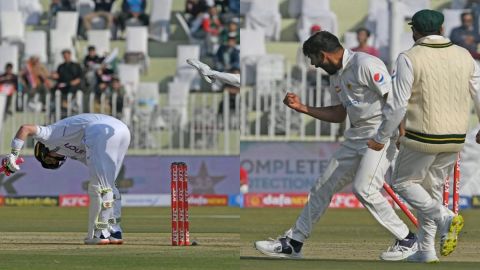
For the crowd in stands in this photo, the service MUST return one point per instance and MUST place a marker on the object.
(214, 23)
(219, 30)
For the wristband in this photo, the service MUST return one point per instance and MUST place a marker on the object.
(17, 145)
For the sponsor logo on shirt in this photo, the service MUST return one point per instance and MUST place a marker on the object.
(74, 148)
(349, 86)
(338, 89)
(378, 78)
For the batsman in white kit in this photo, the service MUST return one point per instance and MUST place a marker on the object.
(100, 142)
(359, 84)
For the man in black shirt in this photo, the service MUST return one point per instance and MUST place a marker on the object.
(91, 63)
(68, 75)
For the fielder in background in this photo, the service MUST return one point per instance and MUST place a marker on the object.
(211, 75)
(100, 142)
(359, 86)
(432, 87)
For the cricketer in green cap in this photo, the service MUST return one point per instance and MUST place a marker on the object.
(427, 21)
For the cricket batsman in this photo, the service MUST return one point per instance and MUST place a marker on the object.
(100, 142)
(211, 76)
(359, 84)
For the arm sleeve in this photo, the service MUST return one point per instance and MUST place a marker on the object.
(43, 133)
(375, 76)
(229, 78)
(475, 87)
(396, 106)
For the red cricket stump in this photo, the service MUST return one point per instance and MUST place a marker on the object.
(174, 203)
(456, 184)
(18, 162)
(446, 191)
(402, 206)
(179, 207)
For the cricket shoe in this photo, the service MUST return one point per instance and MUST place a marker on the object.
(423, 257)
(97, 241)
(204, 69)
(449, 229)
(400, 250)
(116, 238)
(279, 248)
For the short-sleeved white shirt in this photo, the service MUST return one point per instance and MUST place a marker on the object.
(360, 87)
(66, 137)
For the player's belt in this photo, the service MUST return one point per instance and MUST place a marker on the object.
(435, 139)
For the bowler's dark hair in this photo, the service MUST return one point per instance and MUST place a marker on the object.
(321, 41)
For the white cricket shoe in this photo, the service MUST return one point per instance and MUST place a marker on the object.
(279, 248)
(400, 250)
(204, 69)
(423, 257)
(96, 241)
(449, 229)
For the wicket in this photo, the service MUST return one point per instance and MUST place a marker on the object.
(456, 187)
(179, 206)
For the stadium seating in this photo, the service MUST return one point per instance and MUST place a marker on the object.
(100, 39)
(160, 20)
(266, 16)
(12, 28)
(36, 45)
(9, 54)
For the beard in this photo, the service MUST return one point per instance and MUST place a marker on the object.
(329, 68)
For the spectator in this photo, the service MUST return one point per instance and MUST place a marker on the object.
(231, 30)
(104, 78)
(92, 60)
(228, 56)
(465, 35)
(91, 63)
(56, 6)
(210, 29)
(8, 85)
(68, 76)
(102, 9)
(362, 37)
(193, 8)
(36, 82)
(132, 9)
(234, 6)
(117, 88)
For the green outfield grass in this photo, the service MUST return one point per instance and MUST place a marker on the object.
(345, 239)
(52, 238)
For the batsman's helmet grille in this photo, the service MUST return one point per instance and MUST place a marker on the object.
(41, 151)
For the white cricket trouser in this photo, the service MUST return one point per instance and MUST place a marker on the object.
(419, 178)
(367, 169)
(106, 143)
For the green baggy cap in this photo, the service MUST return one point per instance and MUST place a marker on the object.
(427, 21)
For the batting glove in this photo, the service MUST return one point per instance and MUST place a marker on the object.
(10, 164)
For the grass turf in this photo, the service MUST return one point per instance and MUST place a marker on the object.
(52, 238)
(345, 239)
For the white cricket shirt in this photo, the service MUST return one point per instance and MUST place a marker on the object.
(66, 137)
(360, 87)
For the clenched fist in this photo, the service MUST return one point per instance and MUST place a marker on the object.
(293, 101)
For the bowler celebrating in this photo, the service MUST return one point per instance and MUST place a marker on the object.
(359, 85)
(100, 142)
